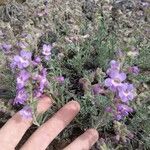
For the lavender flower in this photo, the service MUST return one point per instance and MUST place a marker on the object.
(134, 70)
(44, 72)
(123, 91)
(26, 112)
(22, 79)
(37, 60)
(43, 83)
(115, 80)
(21, 97)
(114, 65)
(42, 80)
(37, 93)
(21, 61)
(6, 47)
(127, 92)
(47, 51)
(26, 55)
(122, 111)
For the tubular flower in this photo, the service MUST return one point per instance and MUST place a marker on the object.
(127, 92)
(47, 51)
(22, 79)
(115, 80)
(21, 61)
(122, 111)
(134, 70)
(21, 97)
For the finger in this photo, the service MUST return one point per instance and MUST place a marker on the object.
(12, 132)
(85, 141)
(48, 131)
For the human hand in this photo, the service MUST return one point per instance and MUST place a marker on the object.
(12, 132)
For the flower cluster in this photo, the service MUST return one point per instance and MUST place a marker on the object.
(31, 76)
(22, 60)
(123, 91)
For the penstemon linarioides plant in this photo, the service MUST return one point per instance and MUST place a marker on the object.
(106, 102)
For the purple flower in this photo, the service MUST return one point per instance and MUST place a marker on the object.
(114, 65)
(43, 83)
(122, 90)
(21, 61)
(122, 111)
(37, 93)
(42, 80)
(44, 72)
(46, 50)
(127, 92)
(115, 80)
(37, 60)
(134, 70)
(26, 112)
(60, 79)
(6, 47)
(97, 89)
(22, 79)
(21, 97)
(26, 55)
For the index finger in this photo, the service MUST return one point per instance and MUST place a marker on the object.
(49, 130)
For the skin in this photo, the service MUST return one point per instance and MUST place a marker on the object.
(12, 132)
